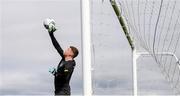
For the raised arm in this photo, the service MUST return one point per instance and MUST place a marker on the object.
(56, 44)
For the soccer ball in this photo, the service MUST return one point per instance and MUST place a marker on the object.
(49, 24)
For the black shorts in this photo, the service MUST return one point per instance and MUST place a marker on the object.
(63, 92)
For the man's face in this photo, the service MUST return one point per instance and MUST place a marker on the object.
(68, 52)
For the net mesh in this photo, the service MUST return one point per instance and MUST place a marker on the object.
(154, 26)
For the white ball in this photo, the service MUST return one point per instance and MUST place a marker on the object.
(47, 22)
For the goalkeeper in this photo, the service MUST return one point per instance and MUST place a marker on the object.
(65, 67)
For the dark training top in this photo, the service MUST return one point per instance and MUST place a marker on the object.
(64, 70)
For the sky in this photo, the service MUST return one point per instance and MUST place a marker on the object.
(27, 52)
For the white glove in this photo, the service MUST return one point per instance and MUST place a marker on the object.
(52, 70)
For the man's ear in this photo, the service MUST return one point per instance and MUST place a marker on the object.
(72, 55)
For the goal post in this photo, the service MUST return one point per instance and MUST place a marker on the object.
(130, 41)
(86, 47)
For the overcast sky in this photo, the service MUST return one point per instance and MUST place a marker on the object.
(27, 52)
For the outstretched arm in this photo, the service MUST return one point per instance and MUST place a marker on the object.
(56, 44)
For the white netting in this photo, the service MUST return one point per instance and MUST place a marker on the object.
(155, 27)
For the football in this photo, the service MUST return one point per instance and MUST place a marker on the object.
(48, 23)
